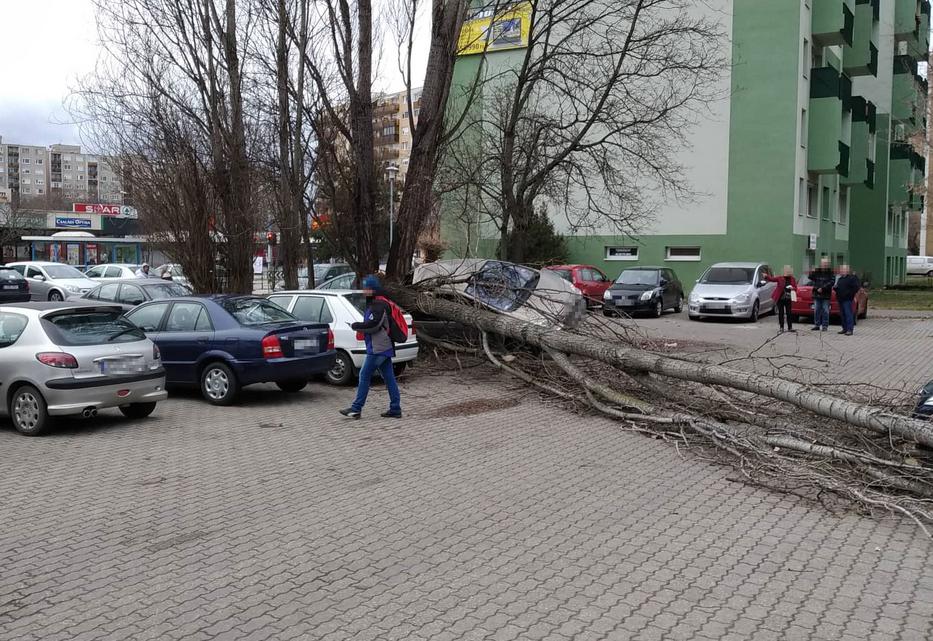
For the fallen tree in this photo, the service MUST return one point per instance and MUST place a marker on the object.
(777, 432)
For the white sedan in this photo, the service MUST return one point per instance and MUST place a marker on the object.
(339, 308)
(112, 271)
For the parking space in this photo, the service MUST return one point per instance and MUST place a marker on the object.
(485, 514)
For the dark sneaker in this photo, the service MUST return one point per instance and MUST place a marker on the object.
(351, 413)
(848, 333)
(391, 415)
(815, 328)
(825, 328)
(843, 332)
(792, 331)
(781, 331)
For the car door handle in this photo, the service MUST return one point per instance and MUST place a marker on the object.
(202, 341)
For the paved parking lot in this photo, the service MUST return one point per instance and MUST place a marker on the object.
(486, 514)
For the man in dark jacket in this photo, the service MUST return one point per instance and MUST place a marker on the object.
(847, 287)
(379, 352)
(822, 279)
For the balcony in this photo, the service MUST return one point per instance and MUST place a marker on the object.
(833, 22)
(908, 96)
(861, 57)
(863, 125)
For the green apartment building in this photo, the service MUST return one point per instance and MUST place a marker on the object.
(809, 155)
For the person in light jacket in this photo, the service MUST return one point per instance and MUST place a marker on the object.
(379, 352)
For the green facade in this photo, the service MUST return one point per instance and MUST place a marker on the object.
(856, 186)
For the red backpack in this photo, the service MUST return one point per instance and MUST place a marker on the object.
(398, 326)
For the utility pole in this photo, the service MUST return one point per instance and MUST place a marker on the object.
(391, 170)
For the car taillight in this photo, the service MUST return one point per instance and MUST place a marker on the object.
(360, 337)
(271, 347)
(411, 329)
(156, 354)
(57, 359)
(330, 340)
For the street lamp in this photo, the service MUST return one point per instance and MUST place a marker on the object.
(391, 170)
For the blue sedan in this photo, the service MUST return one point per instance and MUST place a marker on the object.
(222, 343)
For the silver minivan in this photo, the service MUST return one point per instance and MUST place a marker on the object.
(920, 266)
(61, 359)
(732, 290)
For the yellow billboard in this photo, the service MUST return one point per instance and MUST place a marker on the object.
(488, 30)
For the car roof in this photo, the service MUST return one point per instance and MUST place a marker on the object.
(645, 268)
(739, 264)
(134, 281)
(317, 292)
(44, 307)
(37, 262)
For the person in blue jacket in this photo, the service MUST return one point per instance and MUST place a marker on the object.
(379, 352)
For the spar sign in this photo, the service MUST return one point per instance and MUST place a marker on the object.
(113, 211)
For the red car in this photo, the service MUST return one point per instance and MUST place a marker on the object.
(591, 282)
(804, 303)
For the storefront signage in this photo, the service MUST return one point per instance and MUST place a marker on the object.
(114, 211)
(486, 31)
(73, 223)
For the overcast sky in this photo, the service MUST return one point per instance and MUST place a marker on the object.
(51, 44)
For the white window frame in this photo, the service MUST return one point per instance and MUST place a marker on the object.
(683, 259)
(624, 258)
(802, 196)
(806, 58)
(842, 206)
(804, 128)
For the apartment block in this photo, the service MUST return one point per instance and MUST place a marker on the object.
(392, 128)
(809, 153)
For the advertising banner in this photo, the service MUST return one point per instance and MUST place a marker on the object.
(115, 211)
(73, 223)
(486, 31)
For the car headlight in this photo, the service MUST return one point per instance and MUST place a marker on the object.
(607, 295)
(693, 298)
(73, 289)
(648, 295)
(743, 298)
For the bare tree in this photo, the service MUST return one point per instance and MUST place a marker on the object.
(589, 119)
(185, 61)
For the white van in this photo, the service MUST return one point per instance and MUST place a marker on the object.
(920, 265)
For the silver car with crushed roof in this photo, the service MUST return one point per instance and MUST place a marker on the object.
(60, 359)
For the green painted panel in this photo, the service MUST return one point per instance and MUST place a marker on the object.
(857, 58)
(825, 132)
(858, 154)
(867, 211)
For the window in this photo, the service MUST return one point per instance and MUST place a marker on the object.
(900, 133)
(108, 292)
(40, 190)
(843, 215)
(113, 272)
(683, 253)
(621, 253)
(313, 309)
(801, 197)
(827, 212)
(11, 328)
(26, 181)
(131, 295)
(281, 301)
(812, 198)
(27, 190)
(25, 161)
(39, 161)
(66, 166)
(185, 317)
(26, 171)
(803, 128)
(95, 272)
(75, 328)
(149, 317)
(40, 181)
(255, 311)
(805, 58)
(404, 130)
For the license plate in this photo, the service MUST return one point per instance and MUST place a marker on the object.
(714, 305)
(303, 344)
(626, 303)
(118, 368)
(11, 287)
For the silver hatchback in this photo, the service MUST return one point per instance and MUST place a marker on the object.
(59, 359)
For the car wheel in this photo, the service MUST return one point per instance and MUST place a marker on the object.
(291, 387)
(218, 384)
(137, 410)
(399, 368)
(29, 412)
(753, 317)
(930, 274)
(608, 313)
(56, 296)
(658, 309)
(679, 307)
(693, 317)
(342, 371)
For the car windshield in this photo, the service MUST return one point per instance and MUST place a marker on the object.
(91, 328)
(166, 290)
(255, 311)
(320, 271)
(503, 286)
(638, 277)
(9, 274)
(357, 300)
(728, 276)
(11, 327)
(62, 271)
(339, 282)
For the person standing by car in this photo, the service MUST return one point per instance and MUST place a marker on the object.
(846, 288)
(823, 280)
(783, 295)
(143, 272)
(380, 349)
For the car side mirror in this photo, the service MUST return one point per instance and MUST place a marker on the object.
(665, 282)
(762, 283)
(40, 278)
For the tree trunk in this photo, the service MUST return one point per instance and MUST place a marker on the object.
(636, 360)
(418, 196)
(288, 224)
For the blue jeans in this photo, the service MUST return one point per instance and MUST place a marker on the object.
(821, 312)
(847, 309)
(382, 363)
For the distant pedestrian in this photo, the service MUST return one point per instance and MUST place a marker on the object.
(143, 272)
(377, 329)
(846, 288)
(784, 295)
(822, 279)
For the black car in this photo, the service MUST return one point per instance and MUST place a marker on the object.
(130, 292)
(13, 287)
(644, 290)
(924, 407)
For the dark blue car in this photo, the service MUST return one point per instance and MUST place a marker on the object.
(222, 343)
